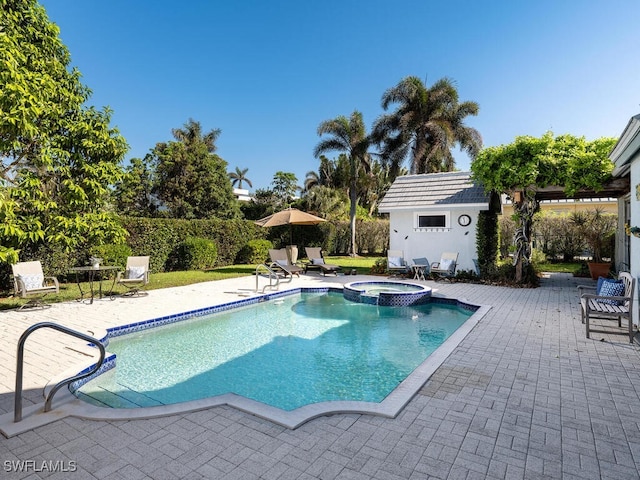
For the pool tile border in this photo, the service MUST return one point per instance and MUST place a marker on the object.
(168, 319)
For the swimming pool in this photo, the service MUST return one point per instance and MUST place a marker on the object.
(289, 352)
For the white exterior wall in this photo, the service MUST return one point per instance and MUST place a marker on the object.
(431, 244)
(634, 245)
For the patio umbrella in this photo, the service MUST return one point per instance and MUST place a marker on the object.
(289, 216)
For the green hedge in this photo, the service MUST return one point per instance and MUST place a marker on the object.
(372, 236)
(160, 238)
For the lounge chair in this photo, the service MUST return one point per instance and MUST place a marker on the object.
(316, 261)
(611, 300)
(446, 267)
(421, 268)
(29, 282)
(135, 276)
(280, 262)
(396, 264)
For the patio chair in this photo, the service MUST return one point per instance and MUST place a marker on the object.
(612, 300)
(421, 268)
(29, 282)
(316, 262)
(396, 264)
(446, 267)
(279, 261)
(135, 276)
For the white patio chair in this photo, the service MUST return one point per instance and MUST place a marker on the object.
(135, 276)
(396, 264)
(446, 267)
(29, 282)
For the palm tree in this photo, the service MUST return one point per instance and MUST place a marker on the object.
(192, 133)
(347, 135)
(311, 180)
(426, 125)
(239, 176)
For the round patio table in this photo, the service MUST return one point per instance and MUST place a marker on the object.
(94, 273)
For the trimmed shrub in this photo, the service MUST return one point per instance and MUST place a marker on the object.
(254, 252)
(379, 267)
(196, 254)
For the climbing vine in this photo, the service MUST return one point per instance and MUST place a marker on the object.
(520, 168)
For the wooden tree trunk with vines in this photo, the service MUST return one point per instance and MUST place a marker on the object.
(524, 209)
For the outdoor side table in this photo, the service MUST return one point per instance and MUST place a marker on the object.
(94, 274)
(419, 271)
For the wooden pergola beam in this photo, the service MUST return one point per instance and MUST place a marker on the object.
(615, 188)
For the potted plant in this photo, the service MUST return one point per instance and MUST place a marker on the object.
(596, 228)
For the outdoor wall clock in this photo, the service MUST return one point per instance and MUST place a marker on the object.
(464, 220)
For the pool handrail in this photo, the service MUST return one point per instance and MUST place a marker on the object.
(17, 412)
(272, 275)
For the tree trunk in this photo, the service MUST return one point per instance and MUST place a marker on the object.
(524, 209)
(353, 197)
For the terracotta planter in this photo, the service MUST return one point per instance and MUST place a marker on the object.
(599, 269)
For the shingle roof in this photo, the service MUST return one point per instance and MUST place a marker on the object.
(433, 189)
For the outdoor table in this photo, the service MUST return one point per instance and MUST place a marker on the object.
(94, 273)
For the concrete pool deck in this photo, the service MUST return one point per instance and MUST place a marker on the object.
(525, 395)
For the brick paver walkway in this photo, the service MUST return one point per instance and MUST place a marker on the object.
(525, 395)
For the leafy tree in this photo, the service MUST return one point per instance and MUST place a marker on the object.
(191, 181)
(239, 176)
(133, 194)
(284, 187)
(520, 168)
(348, 135)
(426, 125)
(263, 203)
(329, 201)
(59, 158)
(373, 185)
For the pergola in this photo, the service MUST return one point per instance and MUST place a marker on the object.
(615, 188)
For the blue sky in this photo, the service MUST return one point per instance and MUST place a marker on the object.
(267, 73)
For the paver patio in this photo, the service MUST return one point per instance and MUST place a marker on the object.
(525, 395)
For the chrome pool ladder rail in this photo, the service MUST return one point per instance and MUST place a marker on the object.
(272, 275)
(17, 413)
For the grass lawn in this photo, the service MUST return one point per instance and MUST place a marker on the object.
(69, 291)
(568, 267)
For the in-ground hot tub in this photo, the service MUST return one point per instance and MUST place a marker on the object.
(387, 293)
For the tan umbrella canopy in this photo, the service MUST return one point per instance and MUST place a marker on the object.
(289, 216)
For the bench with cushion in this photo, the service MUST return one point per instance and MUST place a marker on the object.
(612, 299)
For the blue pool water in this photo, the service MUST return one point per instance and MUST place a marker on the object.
(301, 349)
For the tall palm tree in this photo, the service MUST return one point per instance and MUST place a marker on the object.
(192, 133)
(426, 125)
(239, 176)
(347, 135)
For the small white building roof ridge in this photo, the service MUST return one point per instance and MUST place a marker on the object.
(429, 190)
